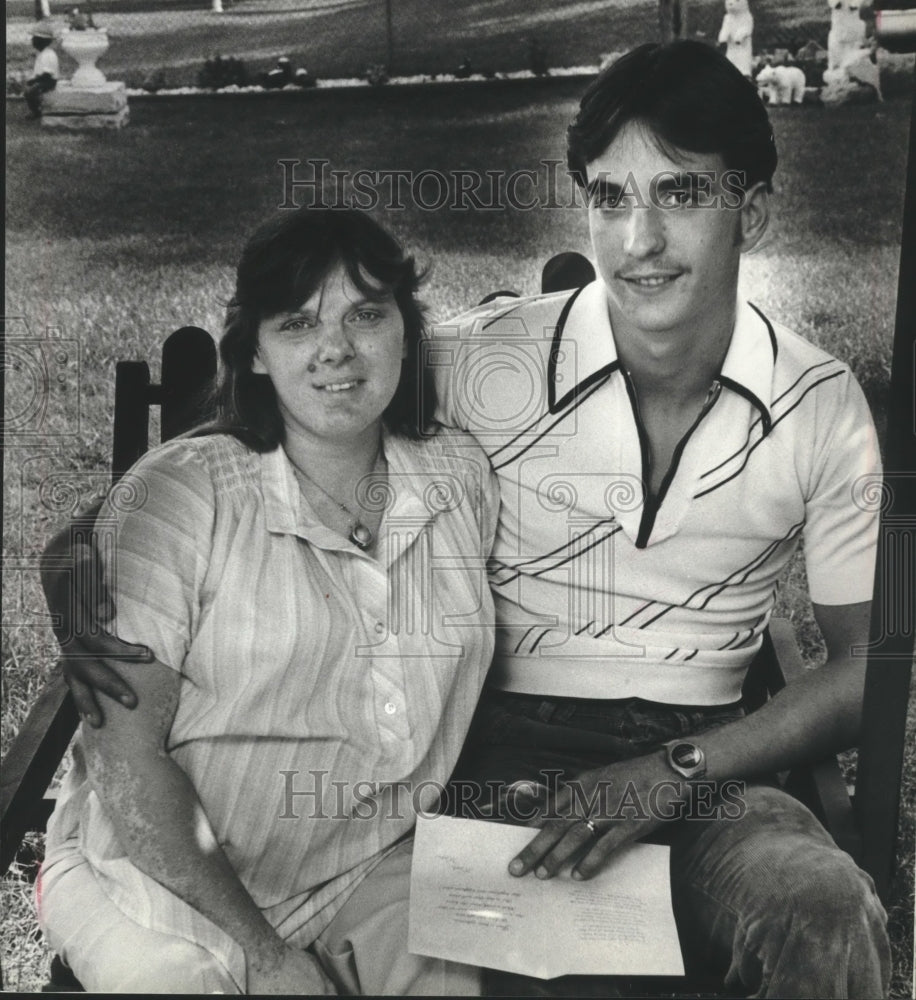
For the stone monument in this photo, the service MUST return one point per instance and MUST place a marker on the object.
(737, 34)
(850, 72)
(782, 84)
(87, 100)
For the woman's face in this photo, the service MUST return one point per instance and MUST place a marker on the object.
(335, 362)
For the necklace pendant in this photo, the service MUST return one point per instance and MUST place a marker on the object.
(361, 536)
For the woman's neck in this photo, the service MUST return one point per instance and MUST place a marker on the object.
(335, 462)
(330, 474)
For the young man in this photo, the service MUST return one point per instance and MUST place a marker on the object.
(662, 446)
(45, 72)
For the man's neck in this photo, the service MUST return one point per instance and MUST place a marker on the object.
(678, 364)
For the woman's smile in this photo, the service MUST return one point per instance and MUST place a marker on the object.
(341, 385)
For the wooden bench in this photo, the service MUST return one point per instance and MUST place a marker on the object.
(864, 824)
(188, 368)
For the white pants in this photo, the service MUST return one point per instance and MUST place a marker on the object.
(363, 950)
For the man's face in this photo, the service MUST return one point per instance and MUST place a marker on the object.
(665, 240)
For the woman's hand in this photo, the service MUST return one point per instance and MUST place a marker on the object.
(73, 580)
(291, 972)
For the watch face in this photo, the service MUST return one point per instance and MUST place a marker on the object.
(686, 755)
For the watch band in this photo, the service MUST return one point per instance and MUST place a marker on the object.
(686, 758)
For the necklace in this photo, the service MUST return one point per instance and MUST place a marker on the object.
(360, 534)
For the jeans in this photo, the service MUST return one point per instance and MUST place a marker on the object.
(767, 900)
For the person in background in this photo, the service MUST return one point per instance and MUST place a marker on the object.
(45, 71)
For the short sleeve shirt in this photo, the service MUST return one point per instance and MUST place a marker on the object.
(46, 62)
(600, 591)
(325, 693)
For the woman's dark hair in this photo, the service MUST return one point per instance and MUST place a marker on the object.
(282, 265)
(691, 98)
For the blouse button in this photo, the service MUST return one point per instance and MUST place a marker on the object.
(379, 627)
(390, 707)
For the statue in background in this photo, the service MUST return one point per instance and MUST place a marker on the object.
(781, 84)
(846, 40)
(737, 35)
(849, 56)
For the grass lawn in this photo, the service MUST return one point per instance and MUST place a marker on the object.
(339, 38)
(115, 239)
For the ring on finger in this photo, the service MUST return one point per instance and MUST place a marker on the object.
(592, 829)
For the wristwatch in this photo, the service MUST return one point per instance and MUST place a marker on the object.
(686, 758)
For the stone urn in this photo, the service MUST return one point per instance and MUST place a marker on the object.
(85, 47)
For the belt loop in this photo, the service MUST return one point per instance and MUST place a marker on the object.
(546, 710)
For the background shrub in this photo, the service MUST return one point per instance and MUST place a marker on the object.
(219, 72)
(376, 74)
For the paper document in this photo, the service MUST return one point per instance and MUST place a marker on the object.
(465, 906)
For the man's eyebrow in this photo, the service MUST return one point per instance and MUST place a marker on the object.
(680, 179)
(600, 187)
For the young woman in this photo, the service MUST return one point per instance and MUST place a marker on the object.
(308, 577)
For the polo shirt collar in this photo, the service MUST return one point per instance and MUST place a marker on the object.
(284, 510)
(584, 351)
(583, 347)
(288, 512)
(750, 361)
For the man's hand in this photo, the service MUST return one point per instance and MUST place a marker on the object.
(598, 812)
(292, 973)
(814, 716)
(73, 580)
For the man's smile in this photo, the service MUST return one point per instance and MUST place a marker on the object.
(649, 281)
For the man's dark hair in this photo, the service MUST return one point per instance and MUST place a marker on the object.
(689, 96)
(40, 42)
(283, 265)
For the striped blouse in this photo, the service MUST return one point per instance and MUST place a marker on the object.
(325, 692)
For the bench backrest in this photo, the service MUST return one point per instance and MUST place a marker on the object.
(188, 370)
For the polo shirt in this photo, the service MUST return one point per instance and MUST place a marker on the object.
(307, 667)
(601, 593)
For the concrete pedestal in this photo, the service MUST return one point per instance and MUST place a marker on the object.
(85, 107)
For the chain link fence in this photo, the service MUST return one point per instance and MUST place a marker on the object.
(166, 43)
